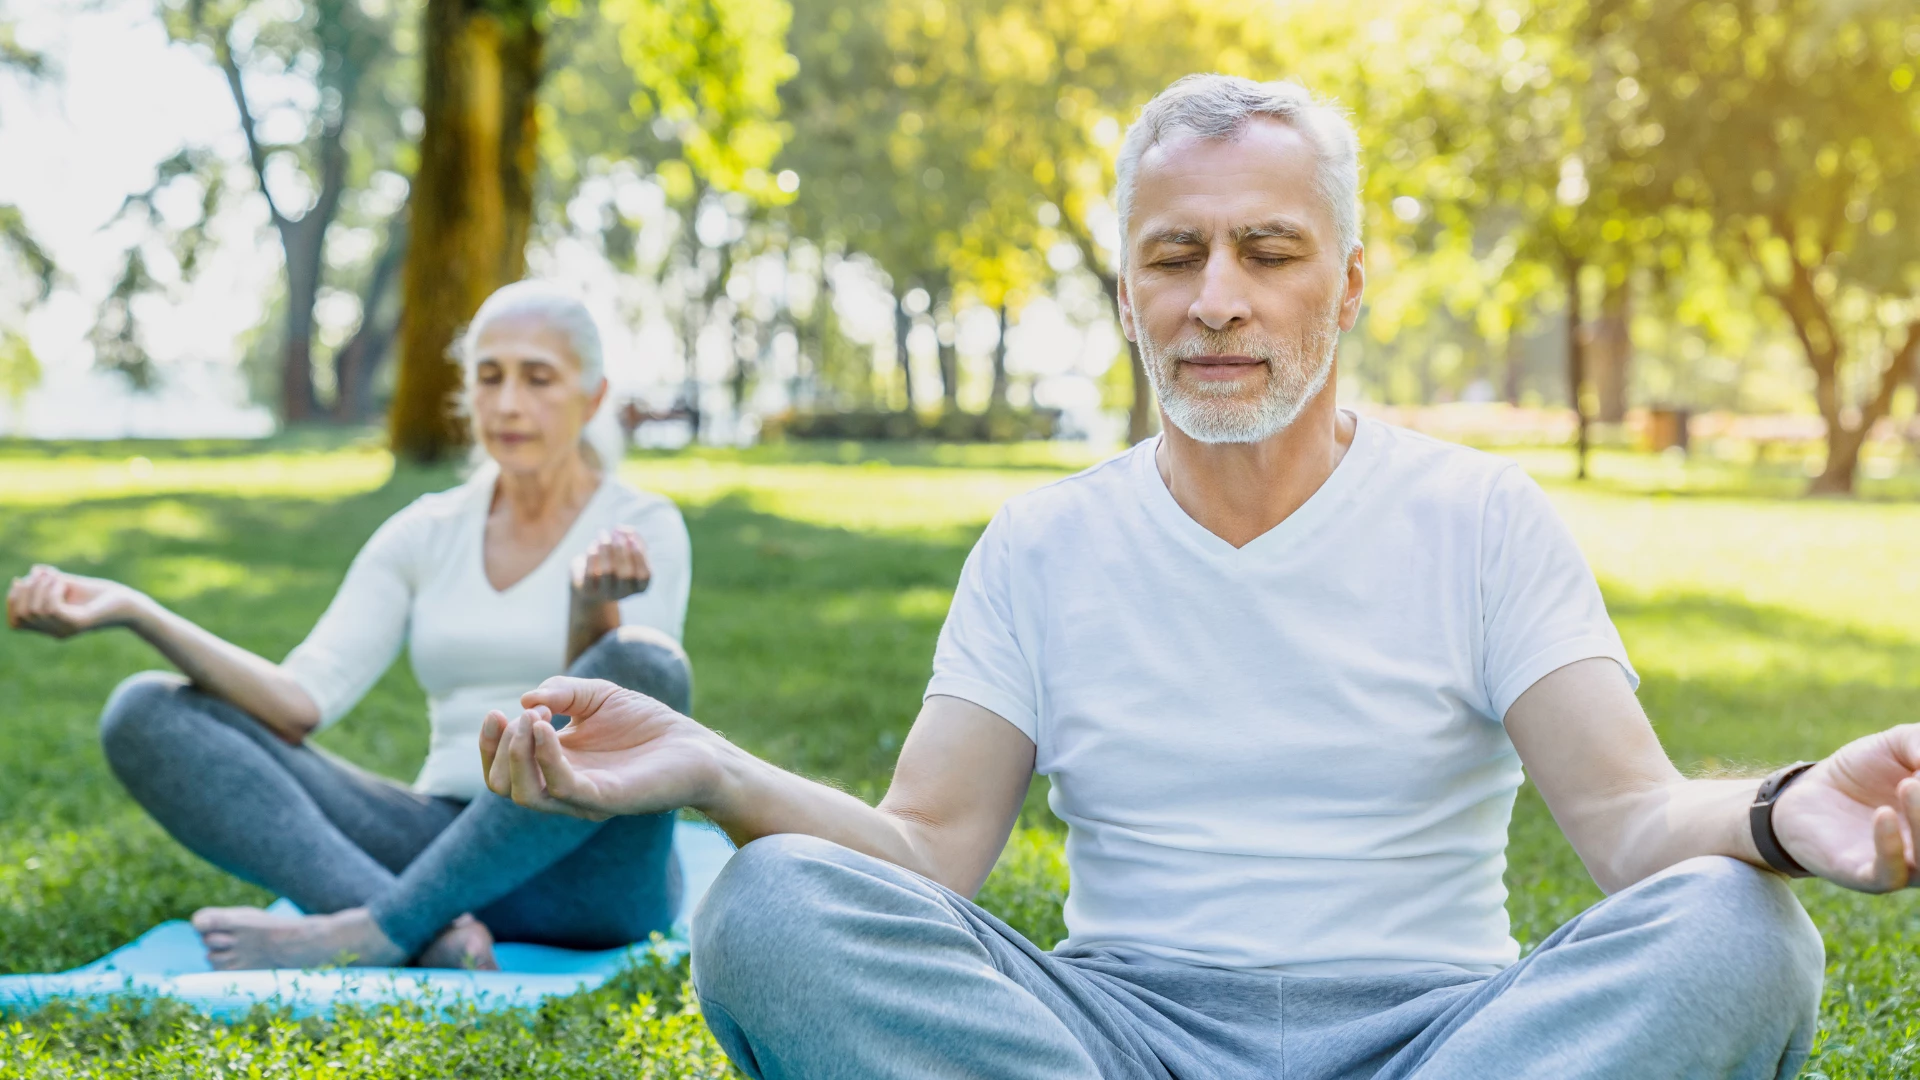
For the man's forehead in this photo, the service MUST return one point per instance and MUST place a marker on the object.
(1258, 182)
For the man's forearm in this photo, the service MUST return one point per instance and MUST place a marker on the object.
(752, 799)
(1677, 821)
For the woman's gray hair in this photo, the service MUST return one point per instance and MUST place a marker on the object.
(562, 309)
(1220, 107)
(553, 304)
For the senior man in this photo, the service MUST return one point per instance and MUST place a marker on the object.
(1283, 666)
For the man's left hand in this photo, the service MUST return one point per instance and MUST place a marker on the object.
(1852, 818)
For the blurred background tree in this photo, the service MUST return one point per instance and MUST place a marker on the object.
(1792, 130)
(706, 68)
(31, 270)
(320, 96)
(843, 215)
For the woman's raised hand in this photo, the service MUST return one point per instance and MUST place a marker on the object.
(623, 752)
(61, 605)
(614, 568)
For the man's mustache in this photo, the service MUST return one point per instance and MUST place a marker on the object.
(1191, 345)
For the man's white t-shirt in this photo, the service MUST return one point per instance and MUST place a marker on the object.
(1288, 756)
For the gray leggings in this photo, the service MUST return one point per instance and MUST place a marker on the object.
(329, 836)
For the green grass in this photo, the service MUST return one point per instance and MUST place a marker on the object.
(1766, 628)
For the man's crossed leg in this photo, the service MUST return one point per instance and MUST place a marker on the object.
(814, 961)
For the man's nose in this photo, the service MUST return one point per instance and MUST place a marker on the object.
(1223, 300)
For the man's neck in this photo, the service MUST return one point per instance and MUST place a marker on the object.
(1239, 491)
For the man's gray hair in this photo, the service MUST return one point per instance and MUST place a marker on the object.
(1220, 107)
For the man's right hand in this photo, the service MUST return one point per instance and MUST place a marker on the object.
(623, 752)
(61, 605)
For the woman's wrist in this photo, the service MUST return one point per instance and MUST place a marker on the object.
(139, 613)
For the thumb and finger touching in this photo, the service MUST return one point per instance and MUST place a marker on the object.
(565, 695)
(563, 784)
(1889, 869)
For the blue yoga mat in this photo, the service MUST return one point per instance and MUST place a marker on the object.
(169, 960)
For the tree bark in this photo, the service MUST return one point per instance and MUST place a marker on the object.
(1576, 364)
(903, 326)
(949, 374)
(1143, 416)
(1613, 352)
(997, 396)
(357, 364)
(471, 205)
(1511, 375)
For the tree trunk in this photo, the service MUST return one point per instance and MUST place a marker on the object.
(949, 377)
(1143, 418)
(1613, 352)
(1844, 441)
(1515, 369)
(472, 202)
(1577, 364)
(301, 247)
(357, 365)
(997, 397)
(902, 326)
(1843, 461)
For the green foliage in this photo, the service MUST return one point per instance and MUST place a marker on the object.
(822, 575)
(712, 69)
(607, 1033)
(17, 239)
(19, 368)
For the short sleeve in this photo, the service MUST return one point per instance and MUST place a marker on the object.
(663, 605)
(1542, 607)
(980, 656)
(360, 634)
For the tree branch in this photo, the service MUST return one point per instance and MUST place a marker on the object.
(1898, 370)
(257, 154)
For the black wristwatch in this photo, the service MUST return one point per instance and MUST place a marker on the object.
(1761, 818)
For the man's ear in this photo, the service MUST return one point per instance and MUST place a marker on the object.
(1356, 286)
(1125, 298)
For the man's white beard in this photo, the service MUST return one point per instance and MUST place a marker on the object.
(1221, 412)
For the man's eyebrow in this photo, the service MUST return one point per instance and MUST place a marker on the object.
(1176, 236)
(1276, 229)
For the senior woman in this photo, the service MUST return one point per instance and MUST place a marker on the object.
(542, 563)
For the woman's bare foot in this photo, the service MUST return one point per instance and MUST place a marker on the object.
(466, 943)
(240, 938)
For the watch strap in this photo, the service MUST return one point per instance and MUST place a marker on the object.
(1760, 818)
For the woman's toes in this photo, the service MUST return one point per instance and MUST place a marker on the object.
(465, 943)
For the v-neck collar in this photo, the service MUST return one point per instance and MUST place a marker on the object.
(485, 484)
(1337, 490)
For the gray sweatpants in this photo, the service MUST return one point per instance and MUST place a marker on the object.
(329, 836)
(814, 961)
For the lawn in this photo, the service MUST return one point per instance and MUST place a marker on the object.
(1765, 628)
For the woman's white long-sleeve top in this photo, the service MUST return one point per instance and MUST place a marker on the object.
(421, 581)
